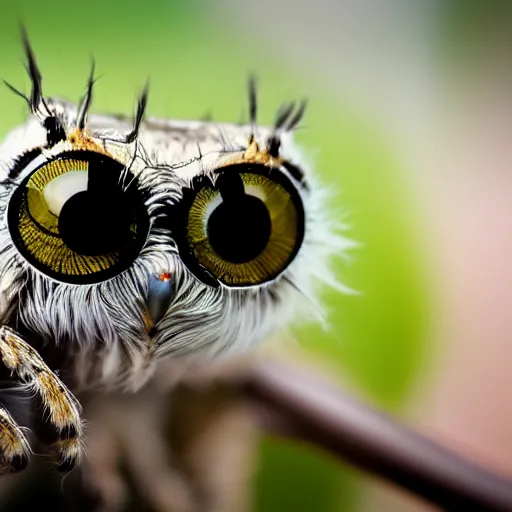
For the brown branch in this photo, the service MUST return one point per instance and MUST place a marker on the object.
(318, 414)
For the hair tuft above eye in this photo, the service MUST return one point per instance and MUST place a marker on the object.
(287, 119)
(85, 104)
(36, 99)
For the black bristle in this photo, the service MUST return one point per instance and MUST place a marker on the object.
(54, 130)
(36, 95)
(139, 116)
(86, 101)
(253, 102)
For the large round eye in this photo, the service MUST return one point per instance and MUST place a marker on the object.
(79, 218)
(244, 229)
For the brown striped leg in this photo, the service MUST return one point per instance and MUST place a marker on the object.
(63, 409)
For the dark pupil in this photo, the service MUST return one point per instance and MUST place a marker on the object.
(239, 228)
(92, 224)
(97, 221)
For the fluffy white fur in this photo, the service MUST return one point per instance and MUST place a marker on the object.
(102, 325)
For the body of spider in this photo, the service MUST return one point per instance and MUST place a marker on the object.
(122, 243)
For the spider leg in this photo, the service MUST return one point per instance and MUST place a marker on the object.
(64, 411)
(14, 448)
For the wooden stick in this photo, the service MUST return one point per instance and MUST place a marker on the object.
(372, 441)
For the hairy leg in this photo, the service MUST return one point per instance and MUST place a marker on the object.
(14, 448)
(62, 408)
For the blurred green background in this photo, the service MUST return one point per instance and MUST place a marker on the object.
(198, 64)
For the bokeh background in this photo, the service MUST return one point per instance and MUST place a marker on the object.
(408, 123)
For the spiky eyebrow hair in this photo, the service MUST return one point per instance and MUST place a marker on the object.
(55, 131)
(85, 104)
(36, 98)
(287, 119)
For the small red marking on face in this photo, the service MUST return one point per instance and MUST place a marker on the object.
(165, 276)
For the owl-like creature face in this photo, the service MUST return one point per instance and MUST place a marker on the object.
(123, 242)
